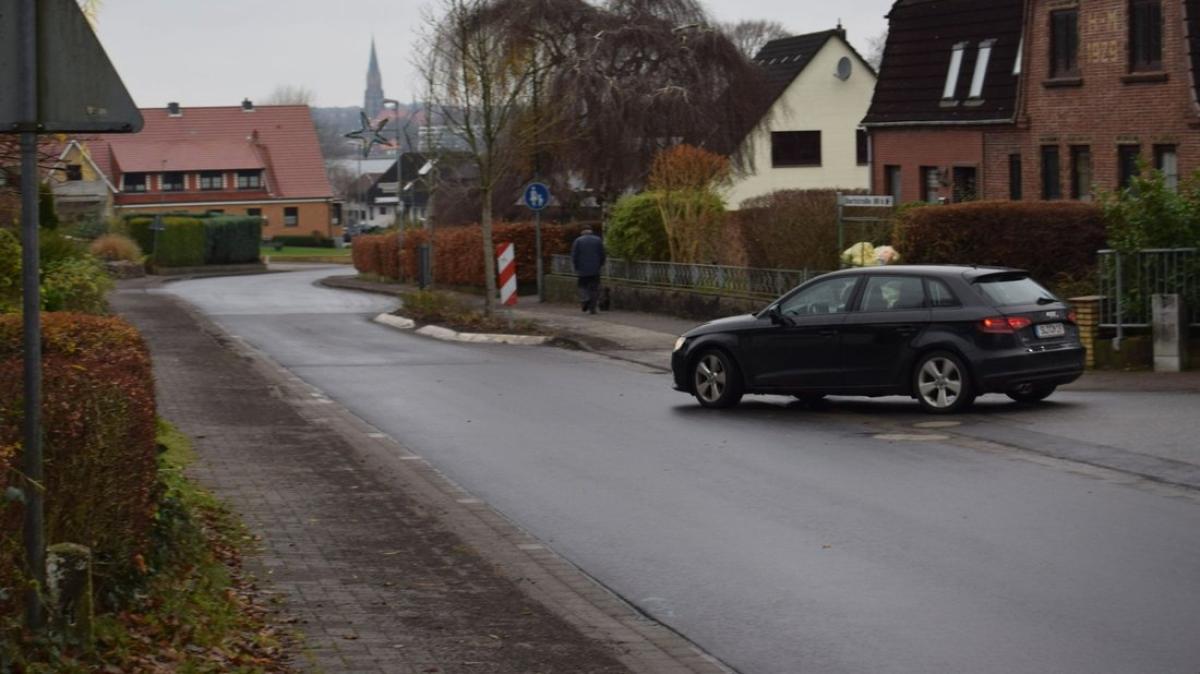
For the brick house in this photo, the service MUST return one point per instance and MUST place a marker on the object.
(1073, 96)
(237, 160)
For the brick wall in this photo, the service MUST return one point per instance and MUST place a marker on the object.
(913, 148)
(1106, 106)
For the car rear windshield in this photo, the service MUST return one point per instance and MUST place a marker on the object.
(1006, 291)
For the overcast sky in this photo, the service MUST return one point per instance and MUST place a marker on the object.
(217, 52)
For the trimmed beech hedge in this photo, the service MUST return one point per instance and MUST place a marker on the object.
(196, 240)
(458, 252)
(1053, 240)
(100, 454)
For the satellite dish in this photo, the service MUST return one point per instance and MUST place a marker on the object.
(843, 69)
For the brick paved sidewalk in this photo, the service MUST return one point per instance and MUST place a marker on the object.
(382, 563)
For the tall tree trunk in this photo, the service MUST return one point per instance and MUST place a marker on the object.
(489, 253)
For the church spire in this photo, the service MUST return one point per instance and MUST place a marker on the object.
(373, 100)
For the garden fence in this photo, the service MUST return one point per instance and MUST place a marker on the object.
(703, 277)
(1127, 281)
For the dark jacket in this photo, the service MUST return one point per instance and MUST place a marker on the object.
(587, 255)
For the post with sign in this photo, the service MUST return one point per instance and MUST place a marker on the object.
(537, 198)
(56, 78)
(857, 201)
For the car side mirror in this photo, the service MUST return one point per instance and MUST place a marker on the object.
(777, 317)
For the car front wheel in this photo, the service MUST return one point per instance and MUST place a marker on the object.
(1031, 393)
(942, 384)
(715, 380)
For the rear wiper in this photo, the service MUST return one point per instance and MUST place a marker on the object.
(1046, 300)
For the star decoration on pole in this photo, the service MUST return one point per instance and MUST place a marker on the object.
(369, 135)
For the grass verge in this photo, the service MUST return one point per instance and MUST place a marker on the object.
(430, 307)
(193, 611)
(298, 251)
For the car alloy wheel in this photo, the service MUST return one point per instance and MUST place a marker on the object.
(1031, 393)
(715, 380)
(942, 383)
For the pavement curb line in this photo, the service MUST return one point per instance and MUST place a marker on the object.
(446, 334)
(398, 322)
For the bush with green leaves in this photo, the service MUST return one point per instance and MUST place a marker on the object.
(635, 229)
(232, 239)
(70, 279)
(1149, 214)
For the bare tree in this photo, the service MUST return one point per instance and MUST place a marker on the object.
(875, 48)
(751, 36)
(479, 71)
(290, 94)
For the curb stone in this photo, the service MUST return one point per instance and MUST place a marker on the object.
(448, 335)
(398, 322)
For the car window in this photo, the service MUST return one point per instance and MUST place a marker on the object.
(893, 293)
(940, 294)
(825, 297)
(1006, 291)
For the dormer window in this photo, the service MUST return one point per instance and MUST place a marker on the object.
(249, 180)
(950, 92)
(172, 182)
(981, 66)
(212, 180)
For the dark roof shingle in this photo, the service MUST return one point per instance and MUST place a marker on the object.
(921, 38)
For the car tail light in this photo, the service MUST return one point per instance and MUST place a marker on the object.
(1072, 316)
(1004, 325)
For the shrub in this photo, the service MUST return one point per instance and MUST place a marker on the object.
(795, 229)
(684, 181)
(1051, 240)
(635, 229)
(232, 239)
(1148, 214)
(99, 420)
(89, 227)
(76, 285)
(115, 247)
(55, 247)
(183, 243)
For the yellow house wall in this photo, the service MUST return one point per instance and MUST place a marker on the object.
(815, 101)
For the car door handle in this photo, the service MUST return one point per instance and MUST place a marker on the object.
(828, 332)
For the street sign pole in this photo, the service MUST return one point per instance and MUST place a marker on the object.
(841, 227)
(34, 525)
(537, 237)
(536, 198)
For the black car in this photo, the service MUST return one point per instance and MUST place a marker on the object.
(941, 334)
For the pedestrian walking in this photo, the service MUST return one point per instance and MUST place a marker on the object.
(587, 257)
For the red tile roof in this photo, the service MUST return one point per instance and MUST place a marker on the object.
(279, 138)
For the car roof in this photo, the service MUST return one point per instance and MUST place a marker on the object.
(969, 272)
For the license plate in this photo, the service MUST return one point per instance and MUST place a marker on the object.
(1050, 330)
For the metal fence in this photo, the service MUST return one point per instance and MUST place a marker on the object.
(706, 277)
(1127, 280)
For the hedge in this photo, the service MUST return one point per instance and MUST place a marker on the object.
(795, 229)
(1054, 241)
(232, 239)
(458, 252)
(98, 416)
(195, 240)
(304, 241)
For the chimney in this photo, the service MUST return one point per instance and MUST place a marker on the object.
(247, 105)
(174, 110)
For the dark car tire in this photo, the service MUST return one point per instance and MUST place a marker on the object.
(942, 383)
(716, 381)
(1031, 393)
(811, 399)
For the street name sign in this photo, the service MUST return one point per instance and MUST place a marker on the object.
(79, 91)
(866, 200)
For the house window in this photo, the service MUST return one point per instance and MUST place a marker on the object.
(1145, 35)
(930, 184)
(172, 182)
(1081, 172)
(254, 212)
(336, 217)
(1064, 43)
(216, 211)
(862, 147)
(249, 180)
(212, 180)
(1127, 164)
(291, 216)
(1014, 177)
(891, 182)
(1166, 160)
(134, 182)
(74, 172)
(981, 66)
(949, 92)
(1051, 185)
(795, 148)
(965, 184)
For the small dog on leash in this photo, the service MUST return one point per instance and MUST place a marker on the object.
(605, 299)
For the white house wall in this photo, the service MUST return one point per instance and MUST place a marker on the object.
(815, 101)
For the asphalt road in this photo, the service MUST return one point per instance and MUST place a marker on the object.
(779, 538)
